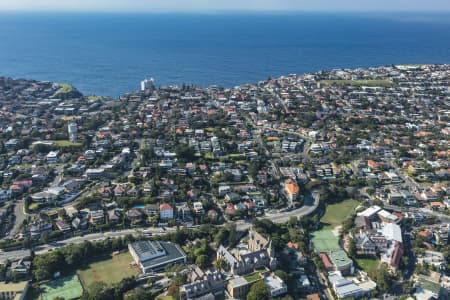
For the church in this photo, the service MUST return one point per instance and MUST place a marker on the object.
(257, 253)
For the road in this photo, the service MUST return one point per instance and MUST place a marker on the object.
(19, 212)
(17, 254)
(311, 203)
(443, 217)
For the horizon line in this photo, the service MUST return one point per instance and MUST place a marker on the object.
(225, 11)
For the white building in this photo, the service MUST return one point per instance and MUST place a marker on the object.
(52, 157)
(73, 130)
(277, 287)
(147, 84)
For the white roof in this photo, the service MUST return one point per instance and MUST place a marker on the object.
(370, 211)
(387, 215)
(392, 232)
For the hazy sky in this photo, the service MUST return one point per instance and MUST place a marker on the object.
(225, 5)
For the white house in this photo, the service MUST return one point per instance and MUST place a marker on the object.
(52, 157)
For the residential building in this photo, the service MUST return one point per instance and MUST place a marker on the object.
(166, 211)
(291, 189)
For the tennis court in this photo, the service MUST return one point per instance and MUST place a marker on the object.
(67, 287)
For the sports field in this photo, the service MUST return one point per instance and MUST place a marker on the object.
(325, 241)
(111, 270)
(67, 287)
(337, 213)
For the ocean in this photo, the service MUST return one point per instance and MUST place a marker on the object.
(109, 54)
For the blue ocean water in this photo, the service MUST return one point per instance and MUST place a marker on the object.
(109, 54)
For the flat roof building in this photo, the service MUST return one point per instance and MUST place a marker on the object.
(13, 291)
(154, 255)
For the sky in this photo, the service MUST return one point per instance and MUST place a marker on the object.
(225, 5)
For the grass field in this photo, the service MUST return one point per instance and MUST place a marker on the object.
(68, 287)
(371, 83)
(64, 143)
(325, 241)
(337, 213)
(367, 264)
(110, 271)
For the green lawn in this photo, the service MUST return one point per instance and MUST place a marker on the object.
(367, 264)
(372, 83)
(110, 271)
(254, 276)
(64, 143)
(68, 287)
(325, 241)
(64, 88)
(337, 213)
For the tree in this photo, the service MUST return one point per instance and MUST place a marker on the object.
(352, 248)
(202, 261)
(185, 153)
(282, 274)
(259, 291)
(136, 294)
(220, 264)
(98, 291)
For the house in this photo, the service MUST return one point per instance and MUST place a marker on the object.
(166, 211)
(134, 215)
(79, 223)
(151, 209)
(291, 189)
(52, 157)
(198, 208)
(96, 217)
(95, 173)
(62, 225)
(113, 216)
(120, 190)
(38, 227)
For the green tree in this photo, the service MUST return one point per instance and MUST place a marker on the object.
(220, 264)
(202, 261)
(137, 294)
(98, 291)
(259, 291)
(282, 274)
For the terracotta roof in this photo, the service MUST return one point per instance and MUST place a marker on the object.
(291, 186)
(165, 206)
